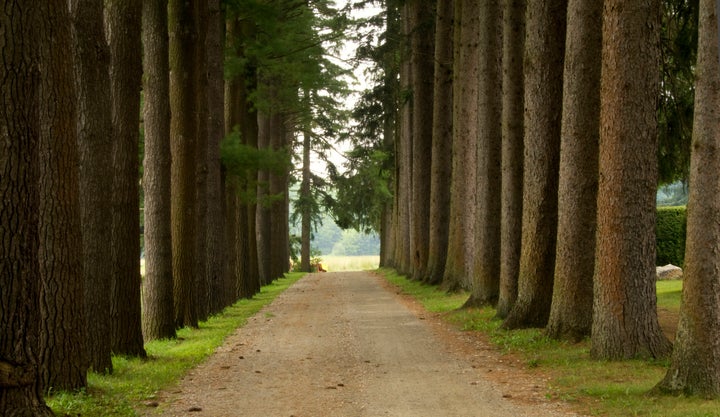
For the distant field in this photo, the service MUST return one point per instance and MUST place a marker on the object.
(350, 263)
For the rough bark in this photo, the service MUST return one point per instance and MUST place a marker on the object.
(183, 131)
(92, 80)
(158, 308)
(441, 165)
(124, 19)
(571, 311)
(262, 229)
(19, 206)
(306, 208)
(486, 262)
(465, 125)
(512, 153)
(544, 53)
(422, 45)
(695, 367)
(625, 323)
(61, 346)
(216, 254)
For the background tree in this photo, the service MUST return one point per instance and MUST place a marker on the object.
(465, 125)
(486, 262)
(544, 54)
(158, 306)
(183, 129)
(441, 165)
(61, 345)
(124, 31)
(571, 312)
(695, 368)
(512, 152)
(625, 321)
(94, 125)
(19, 233)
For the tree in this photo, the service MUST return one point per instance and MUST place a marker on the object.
(695, 369)
(571, 311)
(422, 46)
(465, 125)
(158, 308)
(625, 321)
(512, 153)
(441, 165)
(124, 19)
(486, 260)
(544, 53)
(94, 125)
(182, 19)
(19, 233)
(61, 345)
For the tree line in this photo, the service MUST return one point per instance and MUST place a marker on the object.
(520, 144)
(190, 108)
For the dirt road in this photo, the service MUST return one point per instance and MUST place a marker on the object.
(344, 344)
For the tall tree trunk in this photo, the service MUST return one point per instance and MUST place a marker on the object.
(544, 54)
(278, 187)
(571, 311)
(201, 286)
(63, 363)
(465, 125)
(695, 367)
(305, 206)
(422, 44)
(441, 166)
(216, 254)
(486, 263)
(183, 131)
(263, 212)
(625, 323)
(158, 307)
(513, 90)
(20, 280)
(124, 19)
(94, 124)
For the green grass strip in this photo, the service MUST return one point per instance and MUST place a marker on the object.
(135, 380)
(592, 387)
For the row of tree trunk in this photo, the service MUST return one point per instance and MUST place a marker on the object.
(528, 174)
(71, 292)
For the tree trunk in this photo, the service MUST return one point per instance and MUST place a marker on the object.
(158, 308)
(465, 125)
(695, 367)
(486, 262)
(544, 54)
(262, 212)
(422, 46)
(201, 285)
(216, 259)
(571, 311)
(441, 164)
(625, 323)
(183, 131)
(63, 363)
(305, 206)
(94, 124)
(20, 279)
(513, 89)
(124, 19)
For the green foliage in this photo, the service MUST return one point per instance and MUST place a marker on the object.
(675, 112)
(354, 243)
(670, 233)
(135, 380)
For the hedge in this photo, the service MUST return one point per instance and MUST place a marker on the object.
(670, 235)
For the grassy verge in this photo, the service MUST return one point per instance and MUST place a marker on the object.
(135, 381)
(596, 388)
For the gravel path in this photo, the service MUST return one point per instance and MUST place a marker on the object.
(343, 344)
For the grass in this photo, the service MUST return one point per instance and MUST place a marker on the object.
(135, 381)
(592, 387)
(333, 263)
